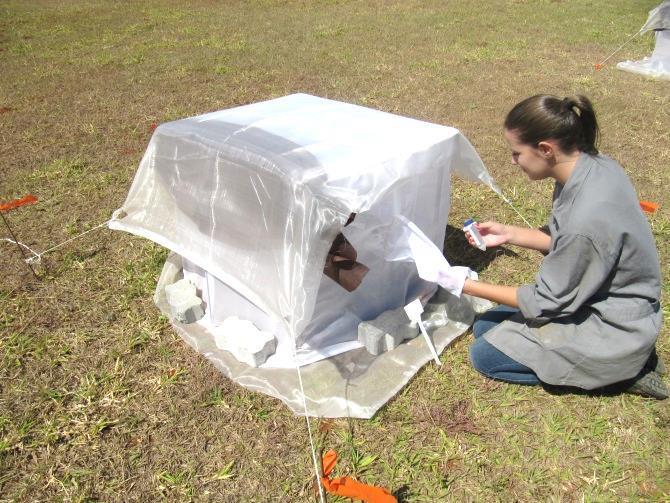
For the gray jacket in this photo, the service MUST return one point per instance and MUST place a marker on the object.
(592, 316)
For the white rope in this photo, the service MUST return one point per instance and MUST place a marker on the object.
(504, 198)
(38, 256)
(620, 47)
(317, 472)
(21, 244)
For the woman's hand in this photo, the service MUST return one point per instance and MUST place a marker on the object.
(493, 234)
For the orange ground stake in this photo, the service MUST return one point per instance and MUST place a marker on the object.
(648, 206)
(29, 199)
(350, 488)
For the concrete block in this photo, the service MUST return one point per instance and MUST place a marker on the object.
(392, 327)
(185, 305)
(246, 342)
(434, 315)
(459, 309)
(387, 331)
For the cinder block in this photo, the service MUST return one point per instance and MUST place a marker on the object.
(246, 342)
(392, 327)
(185, 305)
(460, 309)
(387, 331)
(434, 315)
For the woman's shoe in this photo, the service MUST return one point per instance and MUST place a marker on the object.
(649, 384)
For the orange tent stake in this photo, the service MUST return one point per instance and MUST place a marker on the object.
(648, 206)
(350, 488)
(16, 203)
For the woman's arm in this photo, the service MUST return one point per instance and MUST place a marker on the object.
(533, 239)
(497, 293)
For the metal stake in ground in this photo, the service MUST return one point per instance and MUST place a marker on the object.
(23, 253)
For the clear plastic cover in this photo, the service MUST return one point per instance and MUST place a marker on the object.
(253, 198)
(658, 64)
(659, 18)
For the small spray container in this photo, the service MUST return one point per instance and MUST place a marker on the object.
(471, 226)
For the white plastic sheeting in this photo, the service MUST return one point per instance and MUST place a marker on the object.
(658, 64)
(659, 18)
(253, 197)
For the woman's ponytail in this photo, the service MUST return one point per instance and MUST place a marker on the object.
(582, 106)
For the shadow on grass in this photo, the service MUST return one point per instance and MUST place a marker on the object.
(608, 391)
(459, 252)
(568, 390)
(402, 494)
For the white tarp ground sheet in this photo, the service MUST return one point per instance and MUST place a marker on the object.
(252, 198)
(658, 64)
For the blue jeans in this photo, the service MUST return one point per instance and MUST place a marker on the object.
(490, 361)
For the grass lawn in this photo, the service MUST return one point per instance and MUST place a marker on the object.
(101, 401)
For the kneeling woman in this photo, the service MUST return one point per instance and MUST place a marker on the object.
(592, 316)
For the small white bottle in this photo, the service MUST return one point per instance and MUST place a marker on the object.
(471, 227)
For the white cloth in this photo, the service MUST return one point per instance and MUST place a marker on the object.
(406, 242)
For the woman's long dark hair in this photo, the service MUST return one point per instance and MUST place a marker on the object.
(570, 121)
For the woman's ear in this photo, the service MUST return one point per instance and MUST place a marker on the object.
(547, 149)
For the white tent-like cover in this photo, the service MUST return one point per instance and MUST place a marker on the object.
(250, 200)
(658, 64)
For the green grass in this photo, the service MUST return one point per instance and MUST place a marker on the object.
(101, 401)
